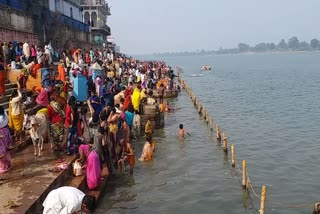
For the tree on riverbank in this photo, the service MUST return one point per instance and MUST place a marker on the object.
(293, 44)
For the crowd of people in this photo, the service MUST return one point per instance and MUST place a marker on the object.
(115, 100)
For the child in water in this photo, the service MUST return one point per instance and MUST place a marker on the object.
(182, 132)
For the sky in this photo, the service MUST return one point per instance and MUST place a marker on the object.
(157, 26)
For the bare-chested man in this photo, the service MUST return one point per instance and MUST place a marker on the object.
(182, 132)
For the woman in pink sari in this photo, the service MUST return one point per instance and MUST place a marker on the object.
(5, 142)
(93, 165)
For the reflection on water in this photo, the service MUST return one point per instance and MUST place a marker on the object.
(269, 108)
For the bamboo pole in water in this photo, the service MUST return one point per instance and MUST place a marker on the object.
(200, 109)
(233, 156)
(218, 135)
(225, 143)
(211, 123)
(263, 199)
(207, 117)
(244, 174)
(204, 113)
(316, 208)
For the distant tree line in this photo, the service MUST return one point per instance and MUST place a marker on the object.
(293, 44)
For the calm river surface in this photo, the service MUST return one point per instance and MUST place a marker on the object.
(268, 105)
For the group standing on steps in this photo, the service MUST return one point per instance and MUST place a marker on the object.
(115, 102)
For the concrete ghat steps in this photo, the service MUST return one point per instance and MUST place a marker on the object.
(36, 206)
(98, 192)
(66, 178)
(29, 181)
(80, 183)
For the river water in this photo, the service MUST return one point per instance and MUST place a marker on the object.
(268, 105)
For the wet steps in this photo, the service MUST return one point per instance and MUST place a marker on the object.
(80, 183)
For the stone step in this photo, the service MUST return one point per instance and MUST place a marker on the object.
(9, 85)
(98, 192)
(35, 204)
(29, 107)
(5, 105)
(6, 98)
(79, 182)
(21, 145)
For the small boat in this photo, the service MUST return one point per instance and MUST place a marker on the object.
(206, 67)
(197, 75)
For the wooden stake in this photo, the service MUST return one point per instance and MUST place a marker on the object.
(211, 123)
(225, 143)
(263, 199)
(200, 109)
(316, 209)
(233, 156)
(204, 113)
(244, 174)
(207, 117)
(218, 135)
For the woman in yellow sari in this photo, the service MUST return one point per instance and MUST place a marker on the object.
(148, 149)
(113, 129)
(16, 113)
(136, 97)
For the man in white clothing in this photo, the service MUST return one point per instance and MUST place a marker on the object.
(68, 200)
(47, 51)
(26, 50)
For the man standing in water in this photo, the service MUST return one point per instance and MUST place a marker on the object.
(161, 90)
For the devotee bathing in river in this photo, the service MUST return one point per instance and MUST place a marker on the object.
(148, 149)
(182, 132)
(127, 157)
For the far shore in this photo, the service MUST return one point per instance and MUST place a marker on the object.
(242, 53)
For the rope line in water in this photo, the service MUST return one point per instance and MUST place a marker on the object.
(238, 168)
(278, 203)
(249, 182)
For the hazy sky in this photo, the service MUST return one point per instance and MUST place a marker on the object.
(151, 26)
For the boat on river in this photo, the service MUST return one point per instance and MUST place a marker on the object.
(197, 75)
(206, 67)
